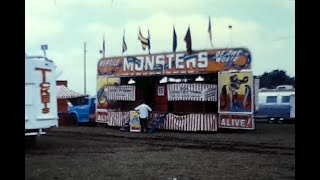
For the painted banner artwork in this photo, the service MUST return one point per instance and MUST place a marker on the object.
(121, 93)
(134, 122)
(192, 92)
(235, 92)
(171, 63)
(102, 83)
(232, 121)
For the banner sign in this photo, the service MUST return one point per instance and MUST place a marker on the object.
(192, 92)
(233, 121)
(202, 61)
(121, 93)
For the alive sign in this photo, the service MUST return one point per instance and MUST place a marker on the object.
(236, 121)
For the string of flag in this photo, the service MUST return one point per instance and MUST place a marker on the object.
(124, 44)
(146, 43)
(174, 43)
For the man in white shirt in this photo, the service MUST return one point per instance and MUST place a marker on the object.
(143, 110)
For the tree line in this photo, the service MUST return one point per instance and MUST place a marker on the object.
(275, 78)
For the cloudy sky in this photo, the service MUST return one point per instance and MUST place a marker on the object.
(265, 27)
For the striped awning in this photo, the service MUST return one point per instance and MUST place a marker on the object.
(64, 93)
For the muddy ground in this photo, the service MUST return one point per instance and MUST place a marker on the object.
(268, 152)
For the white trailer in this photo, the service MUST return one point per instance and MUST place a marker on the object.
(277, 105)
(40, 96)
(293, 106)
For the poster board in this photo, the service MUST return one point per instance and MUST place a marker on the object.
(192, 92)
(134, 122)
(102, 83)
(120, 93)
(235, 90)
(236, 121)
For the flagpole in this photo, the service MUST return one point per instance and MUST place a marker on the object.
(124, 45)
(123, 40)
(85, 51)
(210, 32)
(174, 43)
(104, 48)
(188, 41)
(149, 41)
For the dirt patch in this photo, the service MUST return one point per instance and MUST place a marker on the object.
(268, 152)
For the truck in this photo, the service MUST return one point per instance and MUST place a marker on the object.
(82, 110)
(276, 105)
(40, 97)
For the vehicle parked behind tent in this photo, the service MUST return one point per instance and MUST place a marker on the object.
(82, 110)
(277, 105)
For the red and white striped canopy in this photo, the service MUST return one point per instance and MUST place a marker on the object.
(64, 93)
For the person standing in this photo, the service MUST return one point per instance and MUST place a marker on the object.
(143, 110)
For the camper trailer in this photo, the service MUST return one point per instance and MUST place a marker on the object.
(40, 96)
(276, 105)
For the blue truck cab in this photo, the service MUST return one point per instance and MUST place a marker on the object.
(82, 110)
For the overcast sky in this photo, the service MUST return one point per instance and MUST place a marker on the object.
(265, 27)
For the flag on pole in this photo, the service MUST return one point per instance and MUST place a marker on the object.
(187, 39)
(210, 33)
(124, 45)
(174, 43)
(149, 44)
(103, 46)
(144, 41)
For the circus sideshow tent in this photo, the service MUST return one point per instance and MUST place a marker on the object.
(202, 91)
